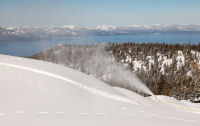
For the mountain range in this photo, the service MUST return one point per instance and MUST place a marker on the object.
(46, 33)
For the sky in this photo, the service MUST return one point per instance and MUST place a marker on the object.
(17, 13)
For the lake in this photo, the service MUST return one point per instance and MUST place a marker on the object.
(28, 48)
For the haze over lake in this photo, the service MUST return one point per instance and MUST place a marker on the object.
(28, 48)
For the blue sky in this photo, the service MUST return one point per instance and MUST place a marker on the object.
(98, 12)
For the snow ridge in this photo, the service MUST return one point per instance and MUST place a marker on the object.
(90, 89)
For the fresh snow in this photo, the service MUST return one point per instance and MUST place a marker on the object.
(162, 59)
(38, 93)
(180, 59)
(196, 54)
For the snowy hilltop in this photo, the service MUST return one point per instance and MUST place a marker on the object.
(38, 93)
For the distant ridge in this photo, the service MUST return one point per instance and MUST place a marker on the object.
(44, 33)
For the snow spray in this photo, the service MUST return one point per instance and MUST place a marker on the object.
(104, 67)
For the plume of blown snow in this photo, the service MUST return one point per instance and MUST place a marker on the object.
(105, 67)
(95, 61)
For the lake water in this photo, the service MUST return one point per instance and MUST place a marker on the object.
(28, 48)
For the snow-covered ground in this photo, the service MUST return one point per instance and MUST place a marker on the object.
(37, 93)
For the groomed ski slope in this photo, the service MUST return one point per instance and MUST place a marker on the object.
(37, 93)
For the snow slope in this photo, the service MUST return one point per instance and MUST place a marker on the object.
(37, 93)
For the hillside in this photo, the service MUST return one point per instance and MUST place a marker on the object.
(164, 68)
(38, 93)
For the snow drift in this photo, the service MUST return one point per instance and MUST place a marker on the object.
(37, 93)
